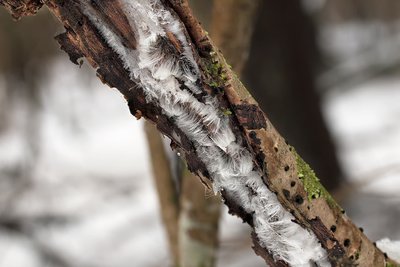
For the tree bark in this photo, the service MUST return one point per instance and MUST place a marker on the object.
(260, 177)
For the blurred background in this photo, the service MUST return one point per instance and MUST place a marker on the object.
(77, 183)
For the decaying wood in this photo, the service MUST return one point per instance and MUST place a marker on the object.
(22, 8)
(282, 169)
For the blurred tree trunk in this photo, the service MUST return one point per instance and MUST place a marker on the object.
(168, 197)
(198, 223)
(232, 28)
(338, 11)
(20, 79)
(281, 73)
(203, 11)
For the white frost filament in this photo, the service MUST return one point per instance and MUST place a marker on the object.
(170, 78)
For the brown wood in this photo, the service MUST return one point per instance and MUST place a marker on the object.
(277, 161)
(111, 12)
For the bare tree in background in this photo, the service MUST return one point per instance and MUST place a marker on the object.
(282, 72)
(22, 49)
(19, 58)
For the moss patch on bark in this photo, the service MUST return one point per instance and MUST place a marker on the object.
(311, 183)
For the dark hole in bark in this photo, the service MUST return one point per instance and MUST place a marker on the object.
(253, 134)
(287, 168)
(333, 228)
(299, 199)
(346, 242)
(286, 193)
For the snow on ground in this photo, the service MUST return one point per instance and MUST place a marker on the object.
(358, 51)
(366, 123)
(92, 169)
(392, 248)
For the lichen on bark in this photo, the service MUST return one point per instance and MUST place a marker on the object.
(311, 182)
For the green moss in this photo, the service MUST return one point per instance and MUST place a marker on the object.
(214, 69)
(357, 255)
(311, 182)
(80, 62)
(213, 84)
(389, 264)
(226, 112)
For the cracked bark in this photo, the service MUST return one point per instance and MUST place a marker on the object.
(311, 206)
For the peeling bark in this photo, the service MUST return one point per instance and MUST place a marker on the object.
(21, 8)
(275, 161)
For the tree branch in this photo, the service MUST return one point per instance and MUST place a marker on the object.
(21, 8)
(170, 72)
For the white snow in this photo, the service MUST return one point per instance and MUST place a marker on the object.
(392, 248)
(365, 120)
(93, 171)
